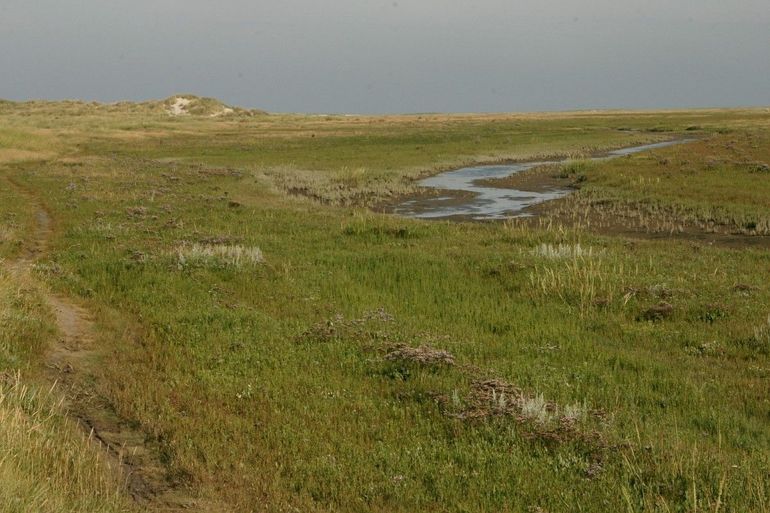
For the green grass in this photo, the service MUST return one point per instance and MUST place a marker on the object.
(268, 383)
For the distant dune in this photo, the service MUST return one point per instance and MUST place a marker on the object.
(175, 105)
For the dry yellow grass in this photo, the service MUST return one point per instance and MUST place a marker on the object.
(9, 155)
(218, 255)
(47, 464)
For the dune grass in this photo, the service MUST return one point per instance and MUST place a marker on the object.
(372, 363)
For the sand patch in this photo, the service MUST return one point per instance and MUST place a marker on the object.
(179, 107)
(224, 112)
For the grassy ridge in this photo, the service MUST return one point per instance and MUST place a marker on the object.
(584, 372)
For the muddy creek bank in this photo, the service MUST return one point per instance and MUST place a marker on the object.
(470, 192)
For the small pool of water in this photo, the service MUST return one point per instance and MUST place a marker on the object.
(475, 201)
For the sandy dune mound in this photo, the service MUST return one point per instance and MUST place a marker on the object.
(183, 105)
(173, 106)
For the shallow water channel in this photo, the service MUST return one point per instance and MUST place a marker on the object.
(467, 198)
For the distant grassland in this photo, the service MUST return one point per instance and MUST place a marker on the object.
(288, 349)
(361, 160)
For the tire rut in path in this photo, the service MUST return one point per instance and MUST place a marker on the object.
(69, 360)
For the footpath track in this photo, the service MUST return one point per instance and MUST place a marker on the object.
(70, 361)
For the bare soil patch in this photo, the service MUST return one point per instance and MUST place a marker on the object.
(543, 178)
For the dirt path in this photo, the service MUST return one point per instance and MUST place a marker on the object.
(70, 362)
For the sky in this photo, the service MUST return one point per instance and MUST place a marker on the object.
(392, 56)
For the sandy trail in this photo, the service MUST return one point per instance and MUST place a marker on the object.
(71, 358)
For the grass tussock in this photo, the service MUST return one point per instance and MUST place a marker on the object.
(579, 282)
(341, 187)
(7, 235)
(536, 417)
(218, 255)
(561, 251)
(576, 169)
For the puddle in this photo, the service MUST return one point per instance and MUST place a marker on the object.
(463, 195)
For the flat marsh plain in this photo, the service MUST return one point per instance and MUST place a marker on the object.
(234, 305)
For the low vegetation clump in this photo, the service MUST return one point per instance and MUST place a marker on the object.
(6, 235)
(425, 355)
(559, 251)
(23, 327)
(495, 397)
(576, 169)
(658, 312)
(214, 255)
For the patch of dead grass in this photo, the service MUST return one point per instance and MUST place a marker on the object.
(9, 155)
(424, 355)
(217, 255)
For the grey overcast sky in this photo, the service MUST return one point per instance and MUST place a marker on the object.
(375, 56)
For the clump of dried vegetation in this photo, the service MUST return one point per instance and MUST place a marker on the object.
(367, 327)
(658, 312)
(538, 417)
(425, 355)
(217, 255)
(487, 399)
(560, 251)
